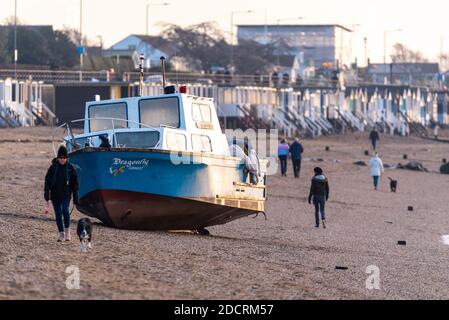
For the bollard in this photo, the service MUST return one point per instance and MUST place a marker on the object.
(444, 160)
(405, 157)
(366, 153)
(328, 148)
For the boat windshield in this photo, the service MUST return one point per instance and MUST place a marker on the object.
(159, 112)
(140, 140)
(144, 140)
(111, 110)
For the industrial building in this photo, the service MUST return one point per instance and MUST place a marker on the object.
(316, 46)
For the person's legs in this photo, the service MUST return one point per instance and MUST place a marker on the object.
(296, 167)
(285, 165)
(283, 160)
(281, 165)
(317, 212)
(323, 209)
(376, 182)
(57, 206)
(66, 212)
(65, 206)
(374, 143)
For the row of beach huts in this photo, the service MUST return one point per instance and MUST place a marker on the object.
(304, 112)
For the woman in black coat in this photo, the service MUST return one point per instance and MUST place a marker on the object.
(61, 181)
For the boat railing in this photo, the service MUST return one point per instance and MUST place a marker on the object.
(69, 129)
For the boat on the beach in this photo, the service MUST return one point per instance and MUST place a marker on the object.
(166, 164)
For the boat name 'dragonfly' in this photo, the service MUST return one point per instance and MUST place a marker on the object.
(131, 163)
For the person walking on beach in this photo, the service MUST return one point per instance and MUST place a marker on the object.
(377, 168)
(61, 181)
(319, 193)
(374, 137)
(283, 150)
(435, 131)
(296, 150)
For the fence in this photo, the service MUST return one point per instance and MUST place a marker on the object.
(313, 111)
(50, 76)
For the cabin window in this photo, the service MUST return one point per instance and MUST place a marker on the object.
(201, 143)
(202, 115)
(176, 141)
(85, 142)
(109, 111)
(201, 112)
(144, 140)
(159, 112)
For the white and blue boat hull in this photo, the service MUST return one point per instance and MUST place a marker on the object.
(157, 190)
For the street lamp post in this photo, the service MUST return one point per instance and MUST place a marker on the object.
(16, 55)
(385, 42)
(365, 41)
(81, 50)
(147, 63)
(232, 36)
(279, 33)
(441, 51)
(148, 14)
(353, 27)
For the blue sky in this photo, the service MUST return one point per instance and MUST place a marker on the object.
(423, 23)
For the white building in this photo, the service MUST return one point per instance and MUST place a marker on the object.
(152, 48)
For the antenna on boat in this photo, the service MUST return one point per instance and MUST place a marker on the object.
(163, 72)
(169, 89)
(142, 57)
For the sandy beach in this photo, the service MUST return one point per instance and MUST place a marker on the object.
(285, 257)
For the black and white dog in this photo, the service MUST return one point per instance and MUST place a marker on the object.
(84, 231)
(393, 184)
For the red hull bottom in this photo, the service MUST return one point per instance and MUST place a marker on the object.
(142, 211)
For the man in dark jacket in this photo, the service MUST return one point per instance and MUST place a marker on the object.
(61, 181)
(296, 150)
(105, 142)
(374, 137)
(319, 191)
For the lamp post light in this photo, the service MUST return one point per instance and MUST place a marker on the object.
(232, 35)
(385, 42)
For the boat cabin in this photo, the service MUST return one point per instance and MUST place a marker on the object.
(174, 122)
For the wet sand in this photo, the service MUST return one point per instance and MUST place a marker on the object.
(285, 257)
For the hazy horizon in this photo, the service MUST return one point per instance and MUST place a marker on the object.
(422, 26)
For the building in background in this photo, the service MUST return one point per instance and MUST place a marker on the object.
(404, 73)
(315, 45)
(153, 47)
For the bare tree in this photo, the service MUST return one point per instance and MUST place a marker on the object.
(402, 54)
(205, 45)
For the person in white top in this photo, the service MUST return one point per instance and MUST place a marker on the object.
(377, 168)
(435, 131)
